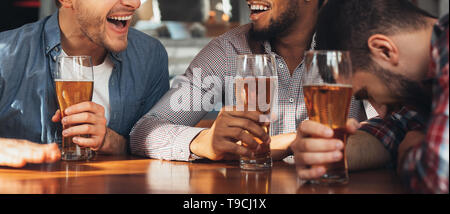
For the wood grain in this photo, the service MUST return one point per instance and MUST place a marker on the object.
(127, 174)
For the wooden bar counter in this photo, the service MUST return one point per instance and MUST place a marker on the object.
(127, 174)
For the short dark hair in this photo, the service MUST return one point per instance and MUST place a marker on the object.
(348, 24)
(57, 3)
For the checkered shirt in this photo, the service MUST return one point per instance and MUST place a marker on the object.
(165, 133)
(425, 167)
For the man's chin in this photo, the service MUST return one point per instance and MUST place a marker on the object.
(260, 34)
(116, 47)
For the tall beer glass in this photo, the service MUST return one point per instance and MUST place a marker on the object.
(327, 88)
(74, 82)
(256, 85)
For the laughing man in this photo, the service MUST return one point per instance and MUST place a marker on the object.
(130, 76)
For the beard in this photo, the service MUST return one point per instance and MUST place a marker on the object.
(91, 27)
(412, 94)
(278, 27)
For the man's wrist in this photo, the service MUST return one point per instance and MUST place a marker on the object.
(195, 145)
(102, 143)
(113, 143)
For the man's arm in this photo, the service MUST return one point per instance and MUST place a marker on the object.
(391, 131)
(280, 146)
(17, 153)
(167, 130)
(314, 147)
(114, 144)
(374, 145)
(364, 151)
(425, 166)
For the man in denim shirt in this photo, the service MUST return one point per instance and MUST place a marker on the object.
(132, 65)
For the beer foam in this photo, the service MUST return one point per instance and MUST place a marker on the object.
(75, 80)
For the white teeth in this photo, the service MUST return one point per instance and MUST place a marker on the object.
(121, 18)
(258, 7)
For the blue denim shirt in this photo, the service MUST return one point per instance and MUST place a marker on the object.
(27, 95)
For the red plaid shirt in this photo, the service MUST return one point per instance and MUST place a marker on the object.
(425, 167)
(392, 130)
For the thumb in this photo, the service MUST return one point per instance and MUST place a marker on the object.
(57, 116)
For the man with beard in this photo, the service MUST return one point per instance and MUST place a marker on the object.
(130, 75)
(393, 66)
(284, 28)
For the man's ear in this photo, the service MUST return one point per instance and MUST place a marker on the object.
(66, 3)
(383, 49)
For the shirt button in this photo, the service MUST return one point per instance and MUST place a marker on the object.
(291, 100)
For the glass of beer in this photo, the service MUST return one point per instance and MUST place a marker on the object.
(74, 82)
(327, 89)
(256, 87)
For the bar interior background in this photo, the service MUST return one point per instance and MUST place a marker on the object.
(183, 26)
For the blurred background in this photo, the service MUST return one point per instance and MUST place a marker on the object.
(183, 26)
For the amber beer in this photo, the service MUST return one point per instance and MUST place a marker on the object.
(329, 105)
(257, 94)
(70, 93)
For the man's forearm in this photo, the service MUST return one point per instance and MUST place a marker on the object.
(114, 144)
(364, 151)
(201, 145)
(280, 146)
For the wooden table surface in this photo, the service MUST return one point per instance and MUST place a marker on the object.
(105, 174)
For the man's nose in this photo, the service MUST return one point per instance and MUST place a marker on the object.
(135, 4)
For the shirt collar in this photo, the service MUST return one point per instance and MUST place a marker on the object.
(116, 56)
(52, 35)
(268, 46)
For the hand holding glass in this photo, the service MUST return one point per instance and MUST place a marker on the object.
(327, 88)
(74, 82)
(256, 90)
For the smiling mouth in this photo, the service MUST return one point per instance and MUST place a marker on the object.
(257, 7)
(119, 21)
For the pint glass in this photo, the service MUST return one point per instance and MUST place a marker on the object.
(256, 85)
(74, 83)
(327, 90)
